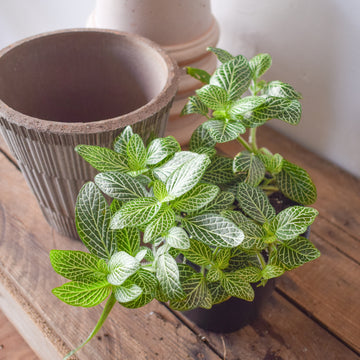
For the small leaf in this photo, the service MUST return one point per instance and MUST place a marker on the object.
(280, 89)
(201, 138)
(219, 171)
(214, 274)
(198, 253)
(251, 274)
(160, 191)
(136, 153)
(177, 238)
(295, 252)
(146, 280)
(224, 130)
(249, 163)
(196, 198)
(218, 293)
(235, 286)
(128, 240)
(221, 202)
(126, 292)
(259, 64)
(120, 143)
(135, 213)
(163, 221)
(213, 230)
(291, 113)
(234, 76)
(198, 74)
(245, 105)
(255, 203)
(167, 273)
(222, 55)
(139, 302)
(120, 186)
(222, 258)
(293, 221)
(92, 217)
(86, 294)
(272, 163)
(214, 97)
(296, 184)
(186, 176)
(102, 159)
(161, 148)
(121, 266)
(272, 271)
(76, 265)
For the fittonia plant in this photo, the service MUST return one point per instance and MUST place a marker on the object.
(192, 228)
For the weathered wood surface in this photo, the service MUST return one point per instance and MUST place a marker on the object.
(314, 313)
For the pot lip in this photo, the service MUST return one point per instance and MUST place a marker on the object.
(161, 100)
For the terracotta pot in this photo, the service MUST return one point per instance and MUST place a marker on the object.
(184, 28)
(65, 88)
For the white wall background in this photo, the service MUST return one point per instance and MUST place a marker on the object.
(315, 46)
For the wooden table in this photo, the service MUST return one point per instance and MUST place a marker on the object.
(314, 312)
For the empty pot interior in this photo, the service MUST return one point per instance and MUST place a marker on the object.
(80, 76)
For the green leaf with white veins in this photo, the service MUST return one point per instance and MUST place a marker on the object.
(126, 292)
(280, 89)
(196, 198)
(92, 217)
(163, 221)
(259, 64)
(120, 143)
(136, 153)
(293, 221)
(198, 253)
(177, 238)
(222, 258)
(195, 106)
(160, 191)
(167, 273)
(249, 163)
(255, 203)
(135, 213)
(214, 97)
(295, 252)
(249, 274)
(128, 240)
(197, 294)
(121, 266)
(201, 138)
(235, 286)
(244, 105)
(221, 54)
(213, 230)
(120, 186)
(85, 294)
(76, 265)
(185, 177)
(219, 171)
(218, 293)
(291, 113)
(296, 184)
(146, 280)
(102, 159)
(180, 158)
(224, 130)
(198, 74)
(161, 148)
(272, 271)
(221, 202)
(140, 301)
(233, 76)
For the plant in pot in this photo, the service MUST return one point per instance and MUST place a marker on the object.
(194, 228)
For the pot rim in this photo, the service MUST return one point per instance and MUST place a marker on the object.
(162, 99)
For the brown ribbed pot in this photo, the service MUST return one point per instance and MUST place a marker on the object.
(82, 86)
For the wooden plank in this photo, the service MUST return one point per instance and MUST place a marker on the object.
(338, 191)
(12, 345)
(328, 290)
(282, 332)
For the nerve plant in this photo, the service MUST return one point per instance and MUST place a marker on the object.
(192, 228)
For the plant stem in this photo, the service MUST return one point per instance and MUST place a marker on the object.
(252, 140)
(109, 305)
(270, 188)
(244, 143)
(261, 259)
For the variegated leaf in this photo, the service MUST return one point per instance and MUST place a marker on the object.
(201, 138)
(213, 230)
(196, 198)
(280, 89)
(235, 286)
(245, 105)
(198, 253)
(218, 293)
(234, 76)
(214, 97)
(92, 217)
(221, 54)
(85, 294)
(224, 130)
(186, 176)
(251, 274)
(167, 273)
(146, 280)
(163, 221)
(272, 163)
(259, 64)
(161, 148)
(135, 213)
(120, 143)
(272, 271)
(121, 266)
(249, 163)
(219, 171)
(120, 186)
(222, 258)
(140, 301)
(126, 292)
(160, 191)
(221, 202)
(177, 238)
(293, 221)
(295, 252)
(102, 159)
(136, 153)
(198, 74)
(296, 184)
(128, 240)
(255, 203)
(291, 113)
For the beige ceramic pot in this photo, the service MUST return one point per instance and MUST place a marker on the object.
(185, 28)
(71, 87)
